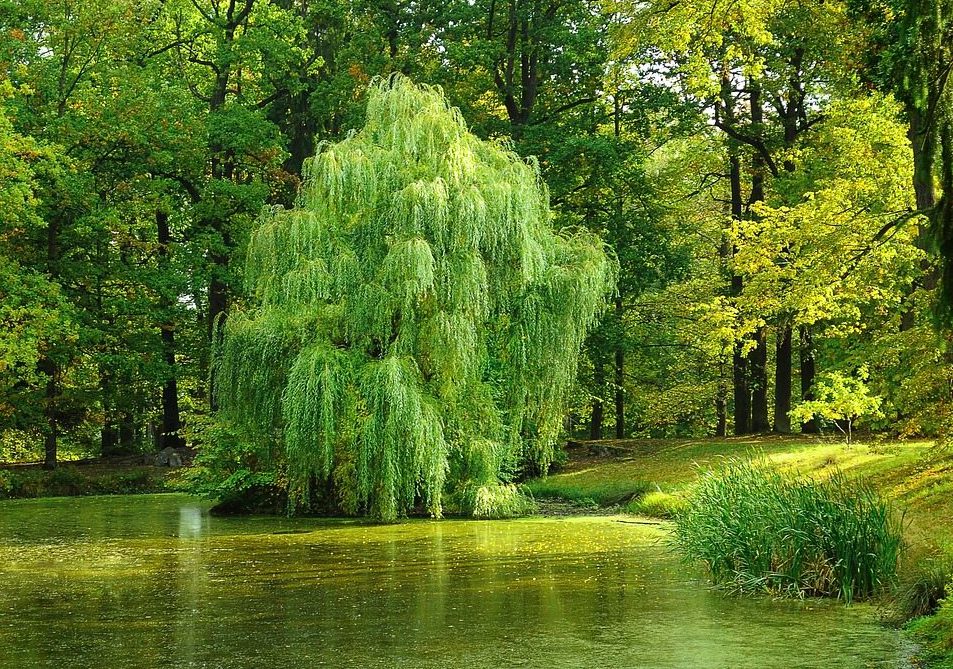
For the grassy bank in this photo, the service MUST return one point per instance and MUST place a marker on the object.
(650, 477)
(92, 478)
(913, 474)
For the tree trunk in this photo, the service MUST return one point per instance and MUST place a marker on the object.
(619, 376)
(127, 432)
(721, 407)
(109, 437)
(759, 383)
(742, 393)
(923, 142)
(595, 422)
(759, 357)
(782, 382)
(171, 422)
(46, 365)
(48, 368)
(943, 221)
(808, 371)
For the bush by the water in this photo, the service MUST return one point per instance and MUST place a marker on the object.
(935, 633)
(657, 504)
(759, 530)
(922, 585)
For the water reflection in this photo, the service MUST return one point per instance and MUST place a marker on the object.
(191, 522)
(155, 582)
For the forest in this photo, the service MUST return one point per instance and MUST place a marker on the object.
(406, 258)
(773, 178)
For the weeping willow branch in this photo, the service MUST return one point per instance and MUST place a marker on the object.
(416, 321)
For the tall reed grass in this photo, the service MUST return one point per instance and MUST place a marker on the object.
(759, 530)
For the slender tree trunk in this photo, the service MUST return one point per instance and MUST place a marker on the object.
(171, 422)
(127, 432)
(759, 383)
(943, 220)
(619, 376)
(598, 409)
(923, 142)
(109, 437)
(808, 372)
(782, 381)
(48, 366)
(721, 406)
(741, 389)
(742, 393)
(759, 357)
(49, 369)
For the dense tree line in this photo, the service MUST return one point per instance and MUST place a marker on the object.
(775, 178)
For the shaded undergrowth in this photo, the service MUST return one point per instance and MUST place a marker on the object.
(67, 480)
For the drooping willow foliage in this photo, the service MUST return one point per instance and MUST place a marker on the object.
(416, 321)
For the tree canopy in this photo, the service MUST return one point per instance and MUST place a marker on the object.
(414, 316)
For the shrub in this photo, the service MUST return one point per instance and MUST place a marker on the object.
(66, 480)
(6, 484)
(920, 589)
(657, 504)
(503, 500)
(756, 529)
(603, 493)
(936, 634)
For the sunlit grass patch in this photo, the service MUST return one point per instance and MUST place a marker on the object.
(586, 493)
(657, 504)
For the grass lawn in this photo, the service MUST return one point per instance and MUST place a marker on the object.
(916, 475)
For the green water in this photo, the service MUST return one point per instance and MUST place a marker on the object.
(153, 581)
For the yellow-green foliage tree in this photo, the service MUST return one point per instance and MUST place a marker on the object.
(415, 320)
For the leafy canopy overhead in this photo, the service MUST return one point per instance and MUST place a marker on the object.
(414, 316)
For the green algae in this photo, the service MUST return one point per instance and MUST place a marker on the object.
(154, 581)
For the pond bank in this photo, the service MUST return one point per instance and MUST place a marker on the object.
(652, 474)
(125, 475)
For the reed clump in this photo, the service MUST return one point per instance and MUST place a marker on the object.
(757, 529)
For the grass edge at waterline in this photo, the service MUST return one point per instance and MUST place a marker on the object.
(757, 529)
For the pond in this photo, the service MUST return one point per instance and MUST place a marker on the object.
(154, 581)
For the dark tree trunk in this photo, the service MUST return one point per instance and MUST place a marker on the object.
(619, 376)
(782, 382)
(808, 372)
(924, 156)
(127, 432)
(923, 142)
(721, 408)
(741, 390)
(759, 357)
(109, 438)
(48, 368)
(742, 393)
(171, 422)
(759, 383)
(598, 409)
(943, 221)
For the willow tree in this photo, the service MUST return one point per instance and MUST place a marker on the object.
(415, 321)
